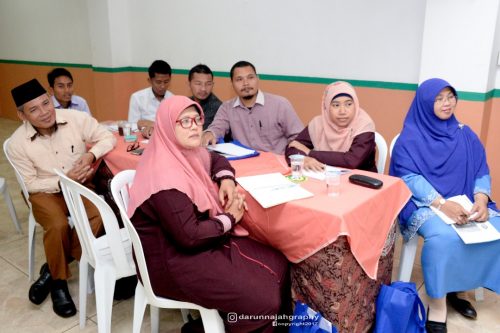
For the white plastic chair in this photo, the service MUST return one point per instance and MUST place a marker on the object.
(382, 152)
(31, 219)
(212, 322)
(409, 251)
(10, 205)
(110, 255)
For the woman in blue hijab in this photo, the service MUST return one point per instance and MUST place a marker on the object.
(439, 158)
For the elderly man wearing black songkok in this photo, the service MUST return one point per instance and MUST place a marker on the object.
(48, 139)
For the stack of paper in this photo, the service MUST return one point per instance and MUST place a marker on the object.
(472, 232)
(272, 189)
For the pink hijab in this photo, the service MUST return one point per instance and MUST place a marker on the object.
(325, 135)
(165, 164)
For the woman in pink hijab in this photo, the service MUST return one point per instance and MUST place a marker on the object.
(184, 206)
(343, 135)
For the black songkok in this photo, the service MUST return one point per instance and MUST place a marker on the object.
(27, 92)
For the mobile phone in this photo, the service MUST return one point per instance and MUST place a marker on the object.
(137, 151)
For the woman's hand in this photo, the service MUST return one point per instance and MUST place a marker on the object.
(310, 163)
(237, 207)
(147, 131)
(299, 146)
(455, 212)
(480, 208)
(227, 189)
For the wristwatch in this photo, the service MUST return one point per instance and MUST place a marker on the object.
(441, 202)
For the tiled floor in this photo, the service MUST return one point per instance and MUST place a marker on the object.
(18, 315)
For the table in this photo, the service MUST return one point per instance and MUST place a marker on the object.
(341, 247)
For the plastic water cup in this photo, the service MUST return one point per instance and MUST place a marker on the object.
(332, 180)
(127, 129)
(297, 164)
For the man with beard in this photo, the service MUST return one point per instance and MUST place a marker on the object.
(259, 120)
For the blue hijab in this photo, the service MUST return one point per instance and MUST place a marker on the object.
(446, 153)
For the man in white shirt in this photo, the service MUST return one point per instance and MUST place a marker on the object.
(61, 88)
(144, 103)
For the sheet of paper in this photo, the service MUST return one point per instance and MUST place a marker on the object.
(230, 149)
(472, 232)
(475, 232)
(321, 174)
(272, 189)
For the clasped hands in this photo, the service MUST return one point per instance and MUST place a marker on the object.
(82, 168)
(478, 213)
(231, 200)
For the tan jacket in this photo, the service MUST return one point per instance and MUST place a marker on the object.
(36, 156)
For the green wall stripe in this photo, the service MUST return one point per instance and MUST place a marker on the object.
(42, 63)
(463, 95)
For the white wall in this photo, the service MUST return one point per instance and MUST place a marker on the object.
(366, 40)
(461, 53)
(45, 30)
(357, 39)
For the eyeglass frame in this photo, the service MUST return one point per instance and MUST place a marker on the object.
(452, 99)
(133, 146)
(191, 120)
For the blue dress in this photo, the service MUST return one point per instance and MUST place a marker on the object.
(448, 263)
(439, 157)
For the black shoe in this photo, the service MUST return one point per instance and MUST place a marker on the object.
(461, 306)
(193, 326)
(40, 289)
(435, 327)
(62, 304)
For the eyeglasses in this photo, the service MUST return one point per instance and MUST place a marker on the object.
(452, 99)
(187, 122)
(337, 105)
(133, 146)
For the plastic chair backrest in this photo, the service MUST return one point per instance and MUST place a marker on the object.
(19, 178)
(73, 193)
(393, 142)
(120, 184)
(382, 152)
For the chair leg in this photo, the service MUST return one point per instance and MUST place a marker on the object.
(31, 246)
(154, 312)
(82, 290)
(105, 280)
(408, 252)
(212, 322)
(12, 210)
(140, 303)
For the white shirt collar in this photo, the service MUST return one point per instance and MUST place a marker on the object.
(258, 100)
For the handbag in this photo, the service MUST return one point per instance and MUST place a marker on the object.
(306, 320)
(399, 309)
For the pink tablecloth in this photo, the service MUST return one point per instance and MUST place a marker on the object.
(119, 159)
(303, 227)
